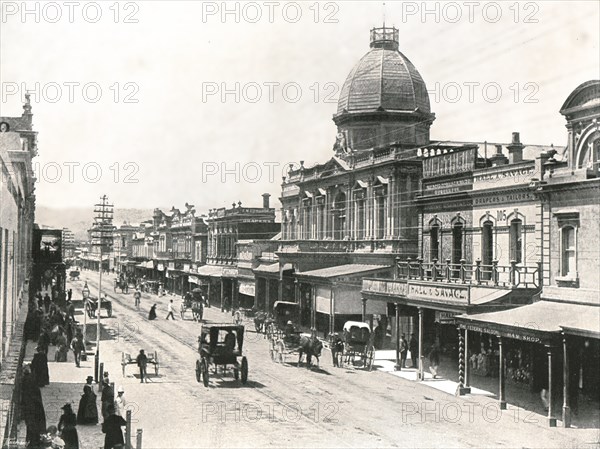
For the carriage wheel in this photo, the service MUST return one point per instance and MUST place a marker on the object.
(198, 371)
(281, 352)
(370, 358)
(244, 370)
(182, 311)
(340, 359)
(236, 373)
(156, 363)
(205, 372)
(123, 363)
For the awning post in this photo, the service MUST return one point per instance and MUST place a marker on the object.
(551, 419)
(420, 374)
(566, 411)
(397, 367)
(502, 390)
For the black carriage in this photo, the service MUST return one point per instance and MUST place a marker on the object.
(74, 275)
(283, 312)
(91, 304)
(221, 345)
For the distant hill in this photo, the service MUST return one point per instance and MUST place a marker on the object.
(79, 220)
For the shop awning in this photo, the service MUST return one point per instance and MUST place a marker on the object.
(247, 288)
(270, 268)
(210, 270)
(342, 270)
(538, 322)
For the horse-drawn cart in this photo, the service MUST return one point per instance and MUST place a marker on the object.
(284, 339)
(195, 302)
(91, 304)
(74, 275)
(354, 346)
(221, 345)
(152, 357)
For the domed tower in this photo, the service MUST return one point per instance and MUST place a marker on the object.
(384, 99)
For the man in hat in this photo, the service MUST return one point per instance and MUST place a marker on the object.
(142, 362)
(120, 402)
(32, 408)
(108, 395)
(78, 347)
(89, 380)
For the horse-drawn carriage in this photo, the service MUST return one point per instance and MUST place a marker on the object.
(195, 302)
(221, 345)
(91, 304)
(354, 346)
(74, 275)
(284, 338)
(122, 284)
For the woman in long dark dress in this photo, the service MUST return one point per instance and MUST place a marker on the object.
(67, 427)
(112, 428)
(32, 408)
(152, 314)
(87, 413)
(39, 368)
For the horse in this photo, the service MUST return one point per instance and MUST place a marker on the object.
(197, 311)
(259, 322)
(311, 346)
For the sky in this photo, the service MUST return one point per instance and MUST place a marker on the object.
(158, 104)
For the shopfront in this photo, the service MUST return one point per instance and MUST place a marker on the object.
(539, 348)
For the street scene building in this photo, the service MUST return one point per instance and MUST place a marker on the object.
(402, 291)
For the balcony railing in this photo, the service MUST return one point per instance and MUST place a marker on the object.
(507, 276)
(340, 246)
(221, 260)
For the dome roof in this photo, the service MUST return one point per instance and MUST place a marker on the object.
(384, 78)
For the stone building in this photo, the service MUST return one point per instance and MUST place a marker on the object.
(18, 146)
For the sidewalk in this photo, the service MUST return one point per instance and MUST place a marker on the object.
(520, 400)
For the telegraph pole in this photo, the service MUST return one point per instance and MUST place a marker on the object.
(102, 235)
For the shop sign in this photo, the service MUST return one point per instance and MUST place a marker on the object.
(507, 334)
(186, 267)
(171, 265)
(160, 267)
(437, 292)
(444, 317)
(444, 188)
(230, 272)
(385, 287)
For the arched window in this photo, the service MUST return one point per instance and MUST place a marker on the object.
(568, 252)
(516, 240)
(434, 248)
(457, 246)
(487, 248)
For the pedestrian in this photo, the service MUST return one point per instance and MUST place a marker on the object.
(47, 302)
(111, 427)
(89, 380)
(70, 309)
(87, 413)
(52, 440)
(61, 348)
(108, 396)
(152, 313)
(69, 294)
(77, 346)
(137, 297)
(32, 408)
(44, 339)
(170, 310)
(413, 347)
(67, 428)
(120, 402)
(39, 369)
(403, 351)
(434, 360)
(142, 362)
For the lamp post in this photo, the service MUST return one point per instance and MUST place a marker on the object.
(86, 295)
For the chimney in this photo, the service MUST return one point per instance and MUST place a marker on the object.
(515, 149)
(498, 158)
(266, 200)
